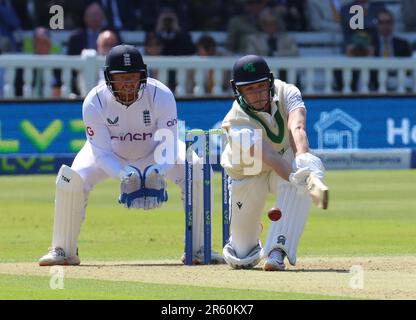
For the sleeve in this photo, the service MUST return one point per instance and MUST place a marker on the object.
(293, 99)
(239, 131)
(99, 137)
(167, 125)
(244, 137)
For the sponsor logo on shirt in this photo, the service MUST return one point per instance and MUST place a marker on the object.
(295, 100)
(133, 136)
(172, 122)
(90, 132)
(113, 122)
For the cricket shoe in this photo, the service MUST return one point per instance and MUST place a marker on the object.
(198, 258)
(275, 261)
(56, 256)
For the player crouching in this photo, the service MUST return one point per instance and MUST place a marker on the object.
(122, 118)
(273, 114)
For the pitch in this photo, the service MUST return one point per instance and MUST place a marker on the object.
(370, 225)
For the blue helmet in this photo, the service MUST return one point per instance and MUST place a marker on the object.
(248, 70)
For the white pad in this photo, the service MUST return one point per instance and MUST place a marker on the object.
(70, 204)
(286, 232)
(247, 197)
(247, 262)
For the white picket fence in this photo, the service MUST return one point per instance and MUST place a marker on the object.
(315, 74)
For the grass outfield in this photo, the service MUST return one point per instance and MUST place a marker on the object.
(371, 213)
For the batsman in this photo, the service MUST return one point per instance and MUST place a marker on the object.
(267, 124)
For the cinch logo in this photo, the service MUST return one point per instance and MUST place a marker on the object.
(112, 122)
(171, 123)
(65, 179)
(133, 137)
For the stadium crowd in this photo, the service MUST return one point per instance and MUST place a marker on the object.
(262, 27)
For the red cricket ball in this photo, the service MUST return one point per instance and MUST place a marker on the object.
(274, 214)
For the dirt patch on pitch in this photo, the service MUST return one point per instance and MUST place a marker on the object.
(356, 277)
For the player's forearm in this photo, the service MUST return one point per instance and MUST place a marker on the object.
(299, 140)
(110, 165)
(107, 161)
(274, 160)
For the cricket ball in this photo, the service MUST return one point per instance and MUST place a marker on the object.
(274, 214)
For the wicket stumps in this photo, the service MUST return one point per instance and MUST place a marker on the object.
(207, 210)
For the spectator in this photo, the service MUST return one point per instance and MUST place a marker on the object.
(370, 13)
(152, 47)
(9, 22)
(388, 45)
(105, 41)
(272, 40)
(41, 46)
(359, 46)
(206, 46)
(152, 44)
(239, 27)
(324, 15)
(150, 9)
(174, 41)
(408, 9)
(86, 38)
(292, 13)
(120, 14)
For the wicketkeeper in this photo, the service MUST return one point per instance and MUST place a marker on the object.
(122, 118)
(272, 114)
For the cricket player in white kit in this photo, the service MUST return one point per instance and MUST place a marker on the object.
(125, 120)
(273, 114)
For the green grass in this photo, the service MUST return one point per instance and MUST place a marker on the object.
(370, 213)
(34, 287)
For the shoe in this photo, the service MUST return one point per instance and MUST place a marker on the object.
(199, 258)
(56, 256)
(275, 261)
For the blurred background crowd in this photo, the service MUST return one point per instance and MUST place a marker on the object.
(231, 27)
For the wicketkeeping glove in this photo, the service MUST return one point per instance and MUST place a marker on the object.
(131, 190)
(155, 187)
